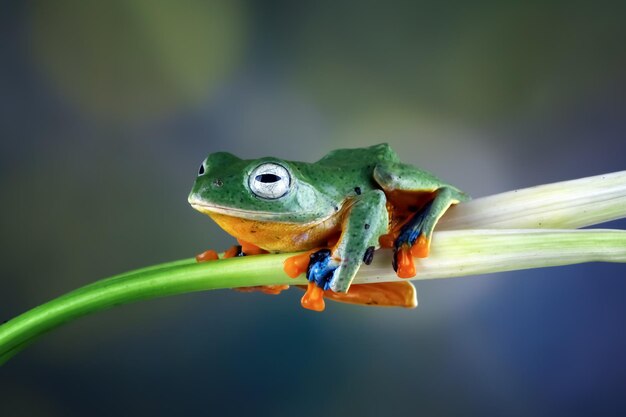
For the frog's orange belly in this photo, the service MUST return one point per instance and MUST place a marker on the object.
(278, 237)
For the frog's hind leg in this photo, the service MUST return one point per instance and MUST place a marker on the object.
(416, 234)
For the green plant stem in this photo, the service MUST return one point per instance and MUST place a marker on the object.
(158, 281)
(454, 253)
(561, 205)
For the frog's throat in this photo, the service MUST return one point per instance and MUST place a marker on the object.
(275, 236)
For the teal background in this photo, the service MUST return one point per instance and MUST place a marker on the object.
(108, 108)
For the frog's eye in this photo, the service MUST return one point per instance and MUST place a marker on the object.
(201, 171)
(270, 181)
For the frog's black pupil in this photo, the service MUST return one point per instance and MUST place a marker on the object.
(265, 178)
(201, 171)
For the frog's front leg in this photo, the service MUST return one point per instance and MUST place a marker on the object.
(335, 268)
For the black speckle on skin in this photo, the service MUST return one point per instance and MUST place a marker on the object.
(336, 208)
(357, 190)
(367, 226)
(218, 182)
(368, 256)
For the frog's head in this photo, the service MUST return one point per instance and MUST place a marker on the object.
(266, 189)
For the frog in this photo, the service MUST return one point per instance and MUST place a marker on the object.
(336, 213)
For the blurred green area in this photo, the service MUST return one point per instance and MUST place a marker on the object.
(477, 62)
(128, 59)
(107, 108)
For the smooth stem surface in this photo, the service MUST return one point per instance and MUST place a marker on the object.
(470, 252)
(454, 253)
(561, 205)
(158, 281)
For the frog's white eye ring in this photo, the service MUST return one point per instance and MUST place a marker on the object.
(270, 181)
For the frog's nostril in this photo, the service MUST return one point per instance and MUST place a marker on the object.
(201, 170)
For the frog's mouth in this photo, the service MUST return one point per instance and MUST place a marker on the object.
(209, 209)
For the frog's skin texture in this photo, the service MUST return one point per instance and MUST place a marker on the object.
(339, 208)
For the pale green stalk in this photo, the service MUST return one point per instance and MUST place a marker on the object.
(470, 252)
(454, 253)
(561, 205)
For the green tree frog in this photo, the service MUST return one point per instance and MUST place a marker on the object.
(338, 209)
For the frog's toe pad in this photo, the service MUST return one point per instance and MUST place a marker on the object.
(296, 265)
(313, 298)
(209, 255)
(421, 247)
(403, 262)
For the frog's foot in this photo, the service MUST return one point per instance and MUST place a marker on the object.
(404, 252)
(233, 252)
(250, 249)
(265, 289)
(243, 249)
(411, 242)
(297, 265)
(209, 255)
(319, 272)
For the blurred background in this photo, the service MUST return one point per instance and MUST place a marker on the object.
(108, 108)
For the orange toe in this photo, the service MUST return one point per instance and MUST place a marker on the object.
(232, 252)
(296, 265)
(421, 248)
(209, 255)
(387, 240)
(250, 249)
(313, 299)
(406, 267)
